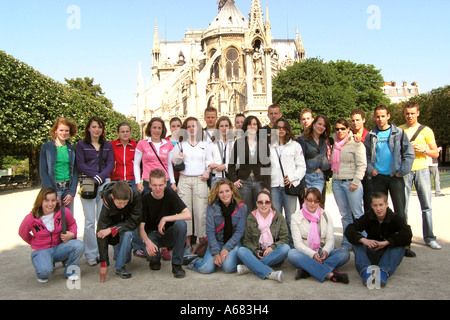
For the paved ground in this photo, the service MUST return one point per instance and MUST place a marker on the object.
(425, 277)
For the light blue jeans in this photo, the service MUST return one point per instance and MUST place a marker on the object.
(336, 258)
(315, 180)
(263, 267)
(280, 201)
(92, 209)
(122, 250)
(206, 264)
(44, 259)
(350, 204)
(422, 182)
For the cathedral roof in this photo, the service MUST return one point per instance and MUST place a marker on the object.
(229, 18)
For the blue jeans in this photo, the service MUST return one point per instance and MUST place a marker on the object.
(387, 259)
(43, 259)
(315, 180)
(122, 250)
(92, 209)
(335, 259)
(61, 193)
(174, 236)
(282, 200)
(263, 267)
(206, 264)
(249, 191)
(422, 182)
(350, 204)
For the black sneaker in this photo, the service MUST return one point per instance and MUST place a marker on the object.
(178, 271)
(123, 273)
(301, 274)
(409, 253)
(189, 258)
(339, 276)
(155, 265)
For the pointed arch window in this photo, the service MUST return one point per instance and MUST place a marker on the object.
(232, 58)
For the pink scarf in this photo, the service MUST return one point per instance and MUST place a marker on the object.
(266, 238)
(313, 218)
(337, 154)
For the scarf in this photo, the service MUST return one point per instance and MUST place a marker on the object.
(227, 211)
(337, 154)
(266, 238)
(314, 234)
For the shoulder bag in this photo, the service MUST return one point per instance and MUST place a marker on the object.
(291, 190)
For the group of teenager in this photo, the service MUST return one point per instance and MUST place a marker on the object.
(236, 196)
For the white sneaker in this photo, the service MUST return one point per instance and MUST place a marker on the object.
(42, 280)
(92, 262)
(242, 269)
(276, 275)
(434, 245)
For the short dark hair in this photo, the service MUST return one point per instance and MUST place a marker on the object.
(121, 190)
(358, 111)
(381, 107)
(379, 195)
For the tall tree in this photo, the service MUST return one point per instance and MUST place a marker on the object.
(330, 88)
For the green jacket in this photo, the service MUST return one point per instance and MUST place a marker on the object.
(252, 234)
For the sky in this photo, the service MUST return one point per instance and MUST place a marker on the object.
(106, 39)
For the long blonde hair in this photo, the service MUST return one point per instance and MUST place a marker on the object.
(213, 195)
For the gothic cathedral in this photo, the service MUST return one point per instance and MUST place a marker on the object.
(229, 66)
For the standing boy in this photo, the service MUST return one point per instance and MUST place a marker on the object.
(424, 144)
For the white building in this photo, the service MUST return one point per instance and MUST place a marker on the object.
(230, 66)
(399, 93)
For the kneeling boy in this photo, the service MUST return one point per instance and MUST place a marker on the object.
(120, 215)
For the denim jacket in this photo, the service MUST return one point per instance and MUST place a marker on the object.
(47, 161)
(214, 219)
(402, 151)
(315, 155)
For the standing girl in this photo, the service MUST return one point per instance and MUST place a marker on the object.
(57, 167)
(95, 159)
(249, 166)
(154, 154)
(192, 186)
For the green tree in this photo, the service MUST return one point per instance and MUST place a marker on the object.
(330, 88)
(30, 103)
(89, 89)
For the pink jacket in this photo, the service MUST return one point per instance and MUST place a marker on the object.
(34, 232)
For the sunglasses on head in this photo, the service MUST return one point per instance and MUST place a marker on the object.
(263, 202)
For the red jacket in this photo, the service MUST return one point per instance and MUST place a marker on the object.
(123, 160)
(33, 231)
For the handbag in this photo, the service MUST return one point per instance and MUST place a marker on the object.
(291, 190)
(200, 249)
(89, 188)
(179, 163)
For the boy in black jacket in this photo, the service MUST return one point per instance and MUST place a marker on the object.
(380, 253)
(120, 215)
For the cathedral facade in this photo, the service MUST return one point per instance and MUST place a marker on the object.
(229, 66)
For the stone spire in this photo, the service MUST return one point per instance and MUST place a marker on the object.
(256, 16)
(156, 50)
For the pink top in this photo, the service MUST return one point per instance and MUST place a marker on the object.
(33, 231)
(150, 160)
